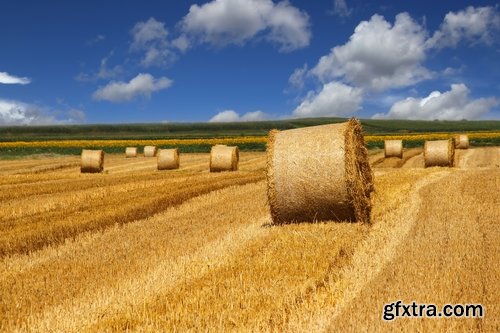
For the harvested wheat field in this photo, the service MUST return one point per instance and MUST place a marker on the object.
(137, 249)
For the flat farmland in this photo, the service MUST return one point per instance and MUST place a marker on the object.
(136, 249)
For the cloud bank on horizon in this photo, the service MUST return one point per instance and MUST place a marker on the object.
(381, 60)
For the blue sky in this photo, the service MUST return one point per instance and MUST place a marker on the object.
(237, 60)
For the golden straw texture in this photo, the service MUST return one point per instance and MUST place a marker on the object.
(92, 161)
(149, 151)
(319, 173)
(224, 158)
(168, 159)
(393, 148)
(131, 152)
(439, 153)
(461, 141)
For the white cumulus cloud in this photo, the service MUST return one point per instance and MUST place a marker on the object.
(181, 43)
(450, 105)
(378, 55)
(232, 116)
(144, 33)
(151, 38)
(141, 85)
(14, 112)
(254, 116)
(6, 78)
(222, 22)
(334, 99)
(104, 73)
(341, 9)
(296, 80)
(473, 24)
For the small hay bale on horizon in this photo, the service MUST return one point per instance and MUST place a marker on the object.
(461, 141)
(319, 173)
(92, 161)
(150, 151)
(393, 148)
(439, 153)
(168, 159)
(224, 158)
(131, 152)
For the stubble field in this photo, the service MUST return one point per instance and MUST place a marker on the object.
(142, 250)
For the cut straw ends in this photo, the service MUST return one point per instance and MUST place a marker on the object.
(319, 173)
(439, 153)
(393, 148)
(150, 151)
(92, 161)
(224, 158)
(131, 152)
(168, 159)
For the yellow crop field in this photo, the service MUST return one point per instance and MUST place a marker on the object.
(431, 136)
(142, 250)
(223, 140)
(120, 143)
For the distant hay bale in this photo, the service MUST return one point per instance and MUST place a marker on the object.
(393, 148)
(439, 153)
(131, 152)
(224, 158)
(319, 173)
(150, 151)
(168, 159)
(461, 141)
(92, 161)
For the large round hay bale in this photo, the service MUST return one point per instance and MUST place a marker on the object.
(224, 158)
(150, 151)
(439, 153)
(92, 161)
(168, 159)
(393, 148)
(461, 141)
(131, 152)
(319, 173)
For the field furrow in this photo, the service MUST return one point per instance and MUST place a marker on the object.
(25, 166)
(450, 256)
(479, 158)
(54, 282)
(94, 210)
(394, 162)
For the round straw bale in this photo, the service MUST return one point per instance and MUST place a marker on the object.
(439, 153)
(149, 151)
(461, 141)
(168, 159)
(224, 158)
(393, 148)
(319, 173)
(92, 161)
(131, 152)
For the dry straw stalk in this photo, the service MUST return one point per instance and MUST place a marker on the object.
(439, 153)
(319, 173)
(461, 141)
(131, 152)
(224, 158)
(150, 151)
(92, 161)
(393, 148)
(168, 159)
